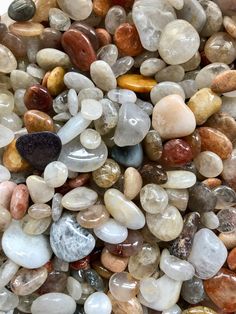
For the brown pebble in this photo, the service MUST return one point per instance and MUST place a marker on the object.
(26, 29)
(104, 37)
(231, 260)
(224, 82)
(127, 40)
(101, 270)
(112, 262)
(15, 44)
(88, 31)
(19, 201)
(212, 183)
(101, 7)
(55, 81)
(38, 97)
(38, 121)
(51, 38)
(80, 180)
(229, 239)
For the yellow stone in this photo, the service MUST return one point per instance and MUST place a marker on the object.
(199, 310)
(13, 160)
(136, 82)
(204, 104)
(55, 81)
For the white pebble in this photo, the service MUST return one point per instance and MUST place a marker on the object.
(73, 102)
(90, 139)
(91, 109)
(55, 174)
(5, 174)
(98, 303)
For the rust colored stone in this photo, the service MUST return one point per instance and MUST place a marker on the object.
(215, 141)
(224, 82)
(49, 266)
(127, 40)
(124, 3)
(38, 121)
(176, 152)
(103, 36)
(101, 7)
(212, 183)
(231, 260)
(55, 81)
(81, 264)
(15, 44)
(38, 97)
(19, 201)
(80, 180)
(79, 49)
(88, 31)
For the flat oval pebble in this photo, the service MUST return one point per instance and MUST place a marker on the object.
(137, 83)
(164, 89)
(132, 183)
(49, 58)
(21, 10)
(102, 75)
(179, 179)
(26, 29)
(78, 11)
(77, 81)
(79, 198)
(38, 121)
(111, 231)
(153, 198)
(209, 164)
(35, 226)
(8, 62)
(39, 191)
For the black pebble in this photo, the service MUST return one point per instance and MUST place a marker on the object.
(21, 10)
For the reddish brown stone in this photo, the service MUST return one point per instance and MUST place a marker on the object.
(127, 40)
(88, 31)
(221, 289)
(176, 152)
(104, 37)
(81, 264)
(215, 141)
(224, 82)
(79, 49)
(38, 121)
(194, 141)
(124, 3)
(80, 180)
(37, 97)
(19, 201)
(101, 7)
(231, 260)
(15, 44)
(212, 183)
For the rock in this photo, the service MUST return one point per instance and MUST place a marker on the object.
(102, 75)
(58, 20)
(88, 31)
(55, 174)
(90, 139)
(122, 66)
(78, 82)
(129, 156)
(208, 164)
(230, 26)
(132, 183)
(33, 226)
(231, 259)
(210, 220)
(178, 198)
(176, 152)
(201, 198)
(153, 173)
(213, 18)
(6, 189)
(8, 61)
(71, 248)
(37, 97)
(199, 310)
(179, 179)
(55, 83)
(224, 82)
(93, 217)
(153, 198)
(107, 175)
(164, 89)
(122, 95)
(19, 201)
(25, 250)
(21, 10)
(49, 58)
(229, 239)
(8, 300)
(38, 121)
(115, 16)
(193, 290)
(152, 144)
(21, 80)
(79, 198)
(56, 282)
(5, 220)
(227, 221)
(123, 287)
(74, 288)
(91, 109)
(98, 302)
(78, 11)
(112, 262)
(39, 191)
(172, 73)
(111, 231)
(7, 271)
(137, 83)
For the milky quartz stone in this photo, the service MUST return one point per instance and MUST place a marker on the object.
(74, 288)
(77, 81)
(122, 65)
(91, 109)
(79, 198)
(208, 164)
(123, 210)
(5, 174)
(111, 231)
(144, 15)
(8, 62)
(153, 198)
(173, 73)
(108, 53)
(123, 286)
(122, 95)
(208, 254)
(8, 301)
(78, 10)
(49, 58)
(73, 102)
(39, 191)
(98, 303)
(90, 139)
(151, 66)
(164, 89)
(7, 272)
(53, 303)
(102, 75)
(178, 198)
(55, 174)
(6, 136)
(175, 36)
(58, 20)
(6, 102)
(179, 179)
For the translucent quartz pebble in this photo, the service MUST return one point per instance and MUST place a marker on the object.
(90, 93)
(193, 290)
(230, 26)
(35, 71)
(227, 219)
(123, 286)
(226, 196)
(200, 310)
(58, 20)
(8, 300)
(173, 73)
(98, 303)
(152, 144)
(39, 211)
(102, 75)
(77, 81)
(145, 262)
(25, 303)
(213, 18)
(20, 107)
(77, 245)
(208, 254)
(115, 16)
(133, 121)
(35, 226)
(5, 218)
(151, 66)
(90, 139)
(168, 291)
(109, 118)
(5, 174)
(107, 175)
(108, 53)
(78, 10)
(55, 174)
(149, 27)
(6, 102)
(170, 125)
(122, 95)
(145, 106)
(189, 87)
(7, 272)
(123, 210)
(54, 303)
(26, 281)
(177, 4)
(56, 282)
(175, 267)
(91, 109)
(153, 198)
(201, 198)
(208, 164)
(111, 231)
(21, 80)
(174, 37)
(25, 250)
(228, 173)
(39, 191)
(122, 65)
(73, 128)
(210, 220)
(6, 190)
(49, 58)
(60, 103)
(164, 89)
(78, 158)
(73, 102)
(79, 198)
(93, 217)
(6, 136)
(193, 63)
(148, 288)
(179, 179)
(74, 288)
(165, 226)
(178, 198)
(194, 13)
(8, 62)
(11, 121)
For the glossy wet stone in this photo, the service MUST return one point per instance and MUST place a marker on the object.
(109, 117)
(226, 196)
(88, 31)
(5, 219)
(39, 191)
(79, 198)
(132, 183)
(7, 271)
(21, 10)
(199, 310)
(38, 121)
(58, 20)
(172, 73)
(39, 148)
(176, 152)
(78, 245)
(55, 282)
(193, 290)
(93, 217)
(15, 44)
(8, 300)
(153, 198)
(6, 190)
(37, 97)
(129, 307)
(111, 231)
(39, 211)
(201, 198)
(51, 38)
(19, 201)
(107, 175)
(227, 219)
(78, 10)
(26, 29)
(55, 83)
(137, 83)
(208, 164)
(112, 262)
(224, 82)
(102, 75)
(8, 61)
(123, 286)
(129, 156)
(153, 173)
(49, 58)
(35, 226)
(153, 145)
(231, 259)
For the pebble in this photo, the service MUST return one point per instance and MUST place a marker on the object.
(224, 82)
(153, 145)
(19, 201)
(39, 211)
(88, 31)
(176, 152)
(129, 307)
(209, 164)
(135, 82)
(173, 73)
(21, 80)
(73, 9)
(132, 183)
(210, 220)
(229, 25)
(94, 216)
(178, 198)
(128, 156)
(26, 29)
(229, 239)
(201, 198)
(77, 81)
(111, 231)
(108, 53)
(123, 287)
(58, 20)
(107, 175)
(122, 66)
(5, 218)
(37, 97)
(7, 271)
(193, 290)
(199, 310)
(38, 121)
(122, 95)
(102, 75)
(98, 303)
(153, 198)
(74, 288)
(179, 179)
(214, 18)
(112, 262)
(164, 89)
(21, 10)
(39, 191)
(50, 58)
(8, 301)
(115, 16)
(226, 218)
(55, 83)
(6, 137)
(8, 62)
(79, 198)
(55, 174)
(91, 109)
(231, 261)
(6, 189)
(90, 139)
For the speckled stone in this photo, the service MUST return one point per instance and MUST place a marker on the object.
(69, 241)
(39, 149)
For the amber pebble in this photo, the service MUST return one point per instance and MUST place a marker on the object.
(101, 270)
(45, 79)
(224, 123)
(104, 38)
(39, 211)
(19, 201)
(56, 282)
(131, 246)
(199, 310)
(5, 218)
(13, 160)
(93, 217)
(194, 141)
(38, 121)
(130, 307)
(112, 262)
(176, 152)
(51, 38)
(136, 82)
(79, 49)
(101, 7)
(224, 82)
(88, 31)
(153, 173)
(55, 81)
(221, 289)
(212, 183)
(26, 29)
(152, 144)
(215, 141)
(107, 175)
(26, 281)
(38, 97)
(81, 264)
(127, 40)
(15, 44)
(42, 9)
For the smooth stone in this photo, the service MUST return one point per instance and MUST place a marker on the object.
(123, 287)
(5, 219)
(19, 201)
(148, 27)
(226, 196)
(145, 106)
(55, 282)
(7, 136)
(164, 89)
(39, 211)
(98, 303)
(21, 80)
(23, 249)
(33, 226)
(210, 220)
(201, 198)
(115, 16)
(109, 118)
(129, 307)
(193, 63)
(132, 183)
(199, 310)
(55, 83)
(73, 102)
(178, 198)
(54, 303)
(77, 81)
(88, 31)
(102, 75)
(208, 254)
(153, 173)
(229, 239)
(55, 174)
(93, 217)
(37, 97)
(107, 175)
(153, 198)
(231, 261)
(90, 93)
(6, 190)
(123, 210)
(74, 288)
(122, 95)
(208, 164)
(79, 198)
(179, 179)
(112, 262)
(8, 61)
(136, 125)
(38, 121)
(21, 10)
(214, 18)
(176, 152)
(58, 20)
(12, 121)
(78, 10)
(7, 102)
(26, 29)
(227, 221)
(173, 73)
(175, 309)
(177, 4)
(174, 37)
(7, 271)
(230, 26)
(137, 83)
(91, 109)
(111, 231)
(79, 159)
(122, 66)
(108, 53)
(193, 290)
(152, 144)
(90, 139)
(39, 191)
(39, 149)
(77, 245)
(170, 115)
(129, 156)
(57, 207)
(49, 58)
(151, 66)
(224, 82)
(8, 301)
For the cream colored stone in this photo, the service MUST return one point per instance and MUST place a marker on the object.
(132, 183)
